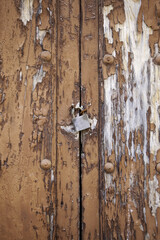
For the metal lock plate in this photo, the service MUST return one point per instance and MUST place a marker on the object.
(81, 122)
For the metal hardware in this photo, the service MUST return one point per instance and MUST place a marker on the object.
(158, 167)
(46, 164)
(109, 167)
(157, 59)
(81, 122)
(108, 59)
(80, 118)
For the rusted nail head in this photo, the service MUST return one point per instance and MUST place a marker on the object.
(157, 59)
(158, 167)
(45, 164)
(45, 56)
(108, 59)
(109, 167)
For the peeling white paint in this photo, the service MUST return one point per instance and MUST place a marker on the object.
(109, 181)
(52, 176)
(38, 77)
(93, 123)
(77, 105)
(20, 76)
(26, 11)
(154, 196)
(147, 237)
(70, 129)
(40, 7)
(133, 104)
(112, 119)
(51, 226)
(50, 12)
(107, 29)
(40, 35)
(155, 105)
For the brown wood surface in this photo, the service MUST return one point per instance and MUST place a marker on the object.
(76, 198)
(131, 193)
(89, 138)
(67, 142)
(26, 125)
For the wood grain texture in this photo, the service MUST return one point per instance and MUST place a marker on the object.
(67, 139)
(89, 138)
(131, 100)
(26, 126)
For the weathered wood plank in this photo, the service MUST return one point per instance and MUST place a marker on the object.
(89, 138)
(67, 138)
(131, 129)
(26, 113)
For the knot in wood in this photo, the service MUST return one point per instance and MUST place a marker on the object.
(109, 167)
(157, 59)
(45, 56)
(108, 59)
(45, 164)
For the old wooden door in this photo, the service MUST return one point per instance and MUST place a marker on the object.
(57, 56)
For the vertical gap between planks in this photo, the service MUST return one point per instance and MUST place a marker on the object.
(101, 117)
(99, 112)
(80, 135)
(56, 165)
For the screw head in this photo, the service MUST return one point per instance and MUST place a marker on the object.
(157, 59)
(109, 167)
(108, 59)
(158, 167)
(45, 56)
(46, 164)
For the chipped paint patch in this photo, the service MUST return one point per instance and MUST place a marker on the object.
(51, 226)
(107, 29)
(110, 86)
(26, 11)
(20, 76)
(40, 35)
(38, 77)
(52, 176)
(133, 104)
(70, 129)
(93, 123)
(154, 196)
(109, 181)
(155, 105)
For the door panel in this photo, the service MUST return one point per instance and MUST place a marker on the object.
(89, 138)
(131, 128)
(68, 95)
(26, 109)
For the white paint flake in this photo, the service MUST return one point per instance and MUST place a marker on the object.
(147, 237)
(26, 11)
(107, 29)
(51, 226)
(93, 123)
(20, 76)
(110, 86)
(50, 12)
(154, 196)
(40, 35)
(109, 181)
(38, 77)
(155, 105)
(52, 176)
